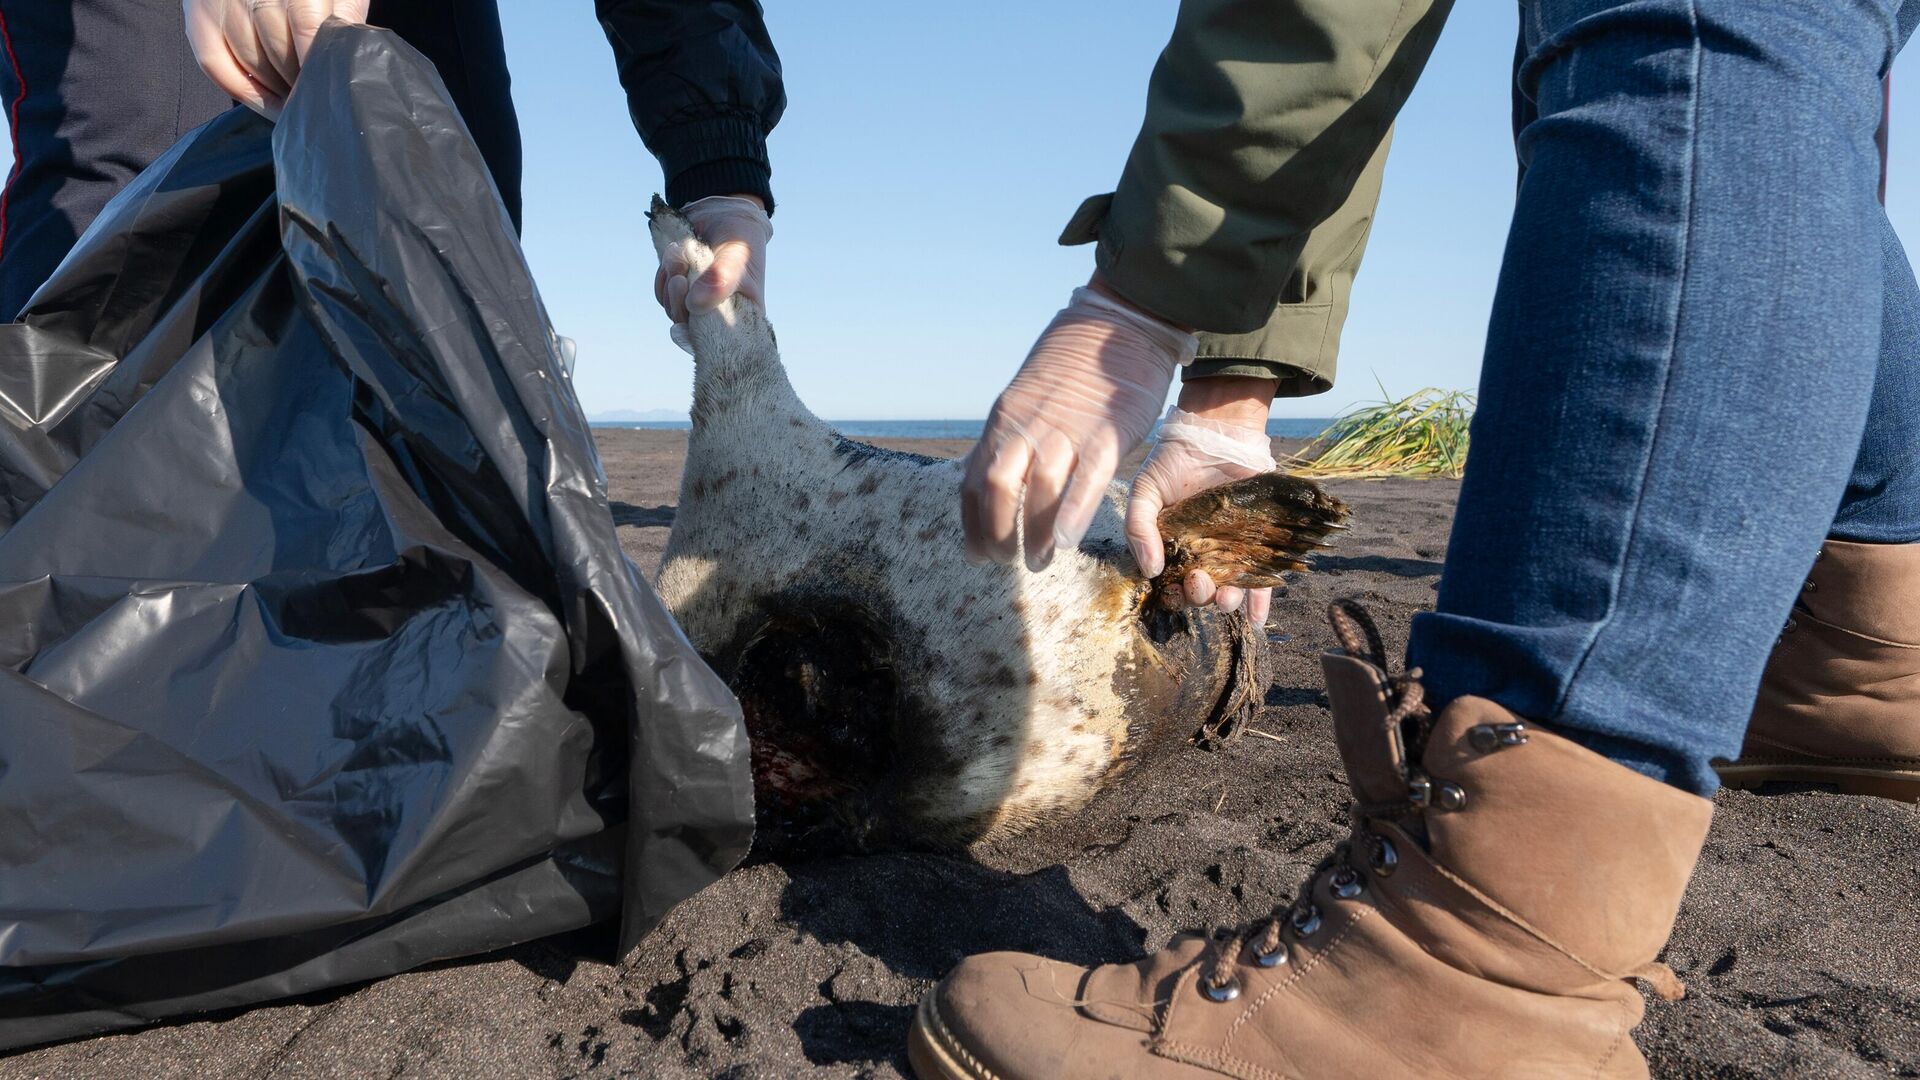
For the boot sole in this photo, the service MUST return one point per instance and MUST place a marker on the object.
(932, 1051)
(1900, 785)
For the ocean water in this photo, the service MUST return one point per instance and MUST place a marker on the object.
(1278, 427)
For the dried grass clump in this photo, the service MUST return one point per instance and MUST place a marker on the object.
(1424, 434)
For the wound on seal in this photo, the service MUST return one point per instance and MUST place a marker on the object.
(820, 697)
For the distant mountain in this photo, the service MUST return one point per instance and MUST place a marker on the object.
(636, 416)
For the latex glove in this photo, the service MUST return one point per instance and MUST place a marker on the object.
(1087, 394)
(1192, 454)
(253, 49)
(737, 228)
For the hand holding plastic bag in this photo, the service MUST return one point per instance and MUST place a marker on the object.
(1087, 394)
(253, 49)
(1191, 454)
(380, 569)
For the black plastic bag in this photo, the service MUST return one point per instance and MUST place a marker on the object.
(319, 658)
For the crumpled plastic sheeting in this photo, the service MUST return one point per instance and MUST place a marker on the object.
(319, 658)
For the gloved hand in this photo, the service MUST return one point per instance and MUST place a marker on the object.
(253, 49)
(1087, 394)
(1191, 454)
(737, 228)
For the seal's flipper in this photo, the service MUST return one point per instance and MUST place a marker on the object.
(672, 231)
(737, 361)
(1247, 533)
(669, 226)
(1244, 691)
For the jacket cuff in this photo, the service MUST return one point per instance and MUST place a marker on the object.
(1297, 343)
(715, 155)
(1292, 382)
(1156, 280)
(1299, 346)
(1247, 367)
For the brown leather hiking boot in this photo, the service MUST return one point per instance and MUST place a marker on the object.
(1839, 705)
(1501, 887)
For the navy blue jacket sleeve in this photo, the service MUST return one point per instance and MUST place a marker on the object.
(703, 85)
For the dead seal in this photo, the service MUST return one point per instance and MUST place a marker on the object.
(897, 696)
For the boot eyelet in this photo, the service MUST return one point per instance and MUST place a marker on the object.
(1487, 738)
(1792, 625)
(1306, 920)
(1450, 797)
(1223, 993)
(1385, 858)
(1347, 883)
(1419, 788)
(1271, 959)
(1811, 586)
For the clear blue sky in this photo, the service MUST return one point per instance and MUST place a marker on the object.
(929, 156)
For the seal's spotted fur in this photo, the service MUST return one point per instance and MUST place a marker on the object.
(895, 694)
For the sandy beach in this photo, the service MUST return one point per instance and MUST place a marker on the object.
(1799, 941)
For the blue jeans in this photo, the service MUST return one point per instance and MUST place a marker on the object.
(1703, 358)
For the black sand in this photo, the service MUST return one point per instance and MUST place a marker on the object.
(1798, 942)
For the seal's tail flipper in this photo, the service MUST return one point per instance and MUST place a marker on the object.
(1249, 532)
(673, 232)
(733, 340)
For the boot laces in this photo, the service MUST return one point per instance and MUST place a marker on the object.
(1359, 636)
(1407, 710)
(1265, 935)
